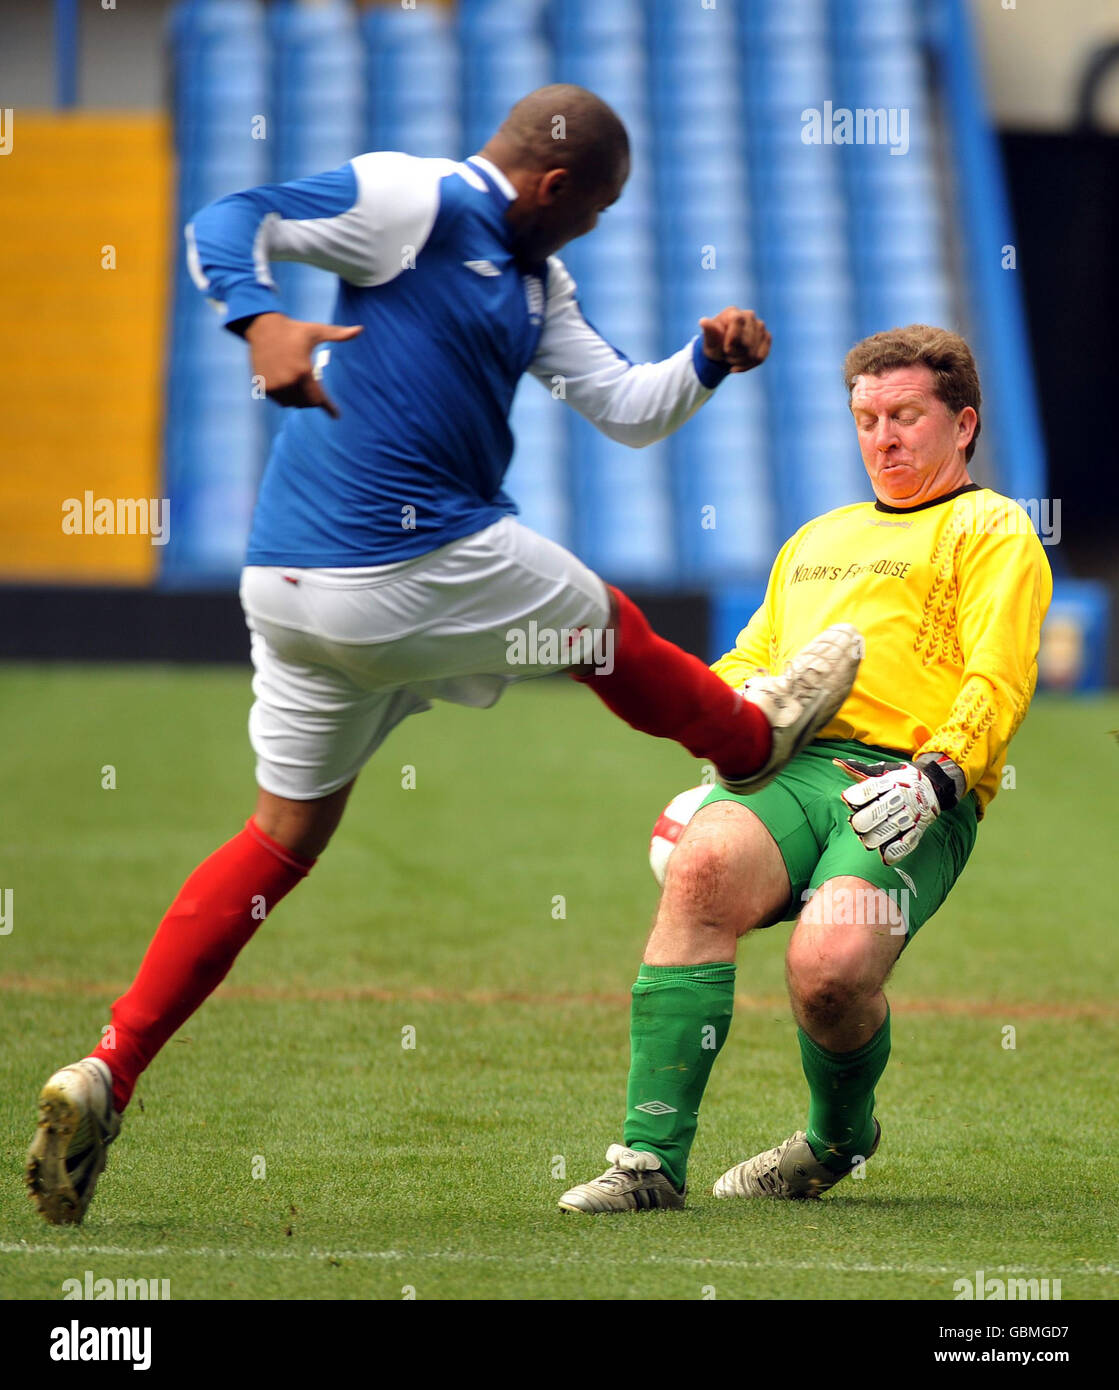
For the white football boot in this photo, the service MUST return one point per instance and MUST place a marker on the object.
(77, 1123)
(791, 1170)
(801, 702)
(633, 1182)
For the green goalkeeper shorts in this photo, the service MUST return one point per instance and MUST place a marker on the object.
(803, 811)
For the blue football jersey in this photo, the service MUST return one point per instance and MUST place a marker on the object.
(451, 321)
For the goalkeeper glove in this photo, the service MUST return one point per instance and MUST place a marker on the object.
(893, 804)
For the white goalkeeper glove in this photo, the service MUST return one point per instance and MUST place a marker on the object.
(893, 804)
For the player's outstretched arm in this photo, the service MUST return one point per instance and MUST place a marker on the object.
(637, 403)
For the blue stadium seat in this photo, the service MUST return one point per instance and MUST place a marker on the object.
(617, 75)
(319, 88)
(862, 22)
(919, 300)
(726, 521)
(414, 79)
(693, 96)
(214, 431)
(538, 478)
(495, 23)
(577, 22)
(622, 516)
(514, 69)
(386, 26)
(789, 22)
(690, 24)
(786, 81)
(499, 65)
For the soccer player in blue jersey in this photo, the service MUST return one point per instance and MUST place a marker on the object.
(385, 568)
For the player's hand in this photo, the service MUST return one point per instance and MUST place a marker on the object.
(892, 806)
(737, 337)
(281, 355)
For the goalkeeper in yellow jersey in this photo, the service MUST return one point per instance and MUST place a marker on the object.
(861, 836)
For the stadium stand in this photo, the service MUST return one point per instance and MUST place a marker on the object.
(216, 431)
(81, 253)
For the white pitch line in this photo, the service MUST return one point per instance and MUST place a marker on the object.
(465, 1256)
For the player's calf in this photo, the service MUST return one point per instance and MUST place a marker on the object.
(659, 689)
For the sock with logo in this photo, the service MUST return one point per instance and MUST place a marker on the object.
(666, 692)
(679, 1019)
(841, 1105)
(218, 909)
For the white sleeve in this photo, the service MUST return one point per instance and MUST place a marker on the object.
(636, 404)
(372, 242)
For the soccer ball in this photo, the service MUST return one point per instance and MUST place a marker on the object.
(670, 826)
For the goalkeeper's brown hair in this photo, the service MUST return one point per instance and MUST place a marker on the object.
(945, 354)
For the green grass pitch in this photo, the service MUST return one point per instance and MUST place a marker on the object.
(498, 909)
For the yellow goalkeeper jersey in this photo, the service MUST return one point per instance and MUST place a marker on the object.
(950, 597)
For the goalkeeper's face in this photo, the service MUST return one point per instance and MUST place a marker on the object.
(912, 445)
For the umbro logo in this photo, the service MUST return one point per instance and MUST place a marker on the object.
(482, 267)
(656, 1107)
(906, 880)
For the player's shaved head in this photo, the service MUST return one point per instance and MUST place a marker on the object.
(567, 155)
(566, 127)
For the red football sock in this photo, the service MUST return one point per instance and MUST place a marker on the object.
(661, 690)
(218, 909)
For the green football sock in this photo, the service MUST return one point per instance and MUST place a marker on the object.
(841, 1086)
(679, 1020)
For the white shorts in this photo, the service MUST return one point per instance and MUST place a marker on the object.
(341, 656)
